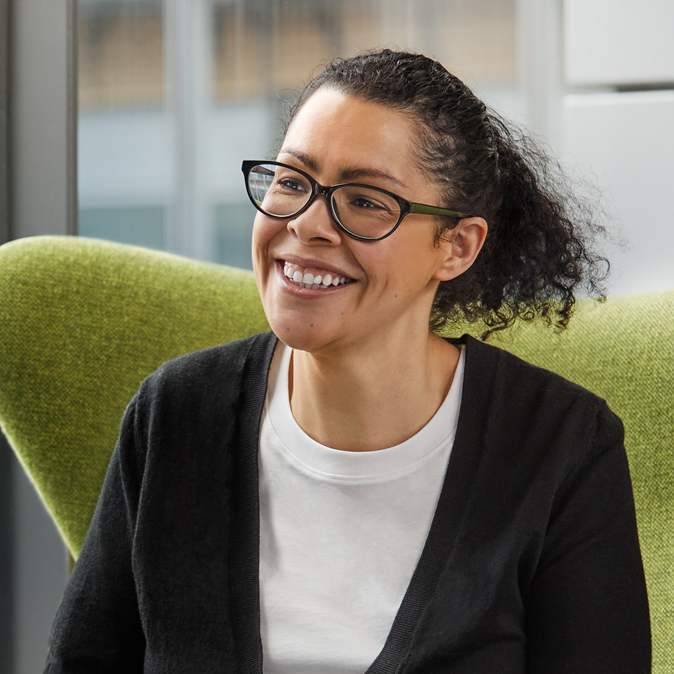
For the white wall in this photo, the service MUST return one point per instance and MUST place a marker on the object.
(622, 135)
(627, 141)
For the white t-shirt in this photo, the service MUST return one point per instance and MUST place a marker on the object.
(340, 533)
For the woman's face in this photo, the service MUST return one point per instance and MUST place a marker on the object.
(392, 282)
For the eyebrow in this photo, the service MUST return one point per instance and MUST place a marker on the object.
(344, 174)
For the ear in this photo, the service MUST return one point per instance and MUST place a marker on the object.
(461, 246)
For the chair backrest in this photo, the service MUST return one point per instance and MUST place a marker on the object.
(82, 322)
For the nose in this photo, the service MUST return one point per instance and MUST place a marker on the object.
(316, 225)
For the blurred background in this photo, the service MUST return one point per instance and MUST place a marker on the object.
(127, 120)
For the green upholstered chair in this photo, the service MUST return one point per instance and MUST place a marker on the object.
(82, 322)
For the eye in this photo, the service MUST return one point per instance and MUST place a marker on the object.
(366, 203)
(292, 184)
(288, 181)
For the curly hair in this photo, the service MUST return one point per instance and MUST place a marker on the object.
(538, 253)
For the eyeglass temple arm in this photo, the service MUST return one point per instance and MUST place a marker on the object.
(422, 209)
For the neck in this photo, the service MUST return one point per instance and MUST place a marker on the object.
(370, 399)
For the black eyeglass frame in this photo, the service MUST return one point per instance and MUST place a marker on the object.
(406, 207)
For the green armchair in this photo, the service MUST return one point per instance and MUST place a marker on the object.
(83, 322)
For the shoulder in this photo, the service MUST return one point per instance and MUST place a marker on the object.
(190, 407)
(533, 396)
(529, 431)
(210, 373)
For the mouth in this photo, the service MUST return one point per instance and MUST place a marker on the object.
(313, 278)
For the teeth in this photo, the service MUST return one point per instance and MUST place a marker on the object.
(308, 280)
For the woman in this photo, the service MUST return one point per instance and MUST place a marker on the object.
(350, 492)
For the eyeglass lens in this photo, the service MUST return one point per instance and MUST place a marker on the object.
(282, 192)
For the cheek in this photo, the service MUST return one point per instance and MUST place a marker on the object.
(259, 230)
(264, 230)
(261, 237)
(389, 261)
(408, 262)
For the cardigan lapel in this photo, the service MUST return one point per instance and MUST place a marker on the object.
(463, 463)
(244, 554)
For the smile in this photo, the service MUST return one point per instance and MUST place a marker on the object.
(316, 279)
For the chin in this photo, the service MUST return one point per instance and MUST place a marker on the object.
(300, 336)
(302, 340)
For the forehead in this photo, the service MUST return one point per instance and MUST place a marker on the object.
(338, 132)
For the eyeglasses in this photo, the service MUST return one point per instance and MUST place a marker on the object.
(363, 212)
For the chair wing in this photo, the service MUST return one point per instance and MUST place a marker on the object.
(82, 323)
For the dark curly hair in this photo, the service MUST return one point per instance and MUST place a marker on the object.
(538, 252)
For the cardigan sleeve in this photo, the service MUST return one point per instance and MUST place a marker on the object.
(586, 609)
(98, 627)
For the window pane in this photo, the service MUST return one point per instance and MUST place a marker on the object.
(262, 46)
(124, 132)
(139, 226)
(120, 53)
(174, 94)
(233, 225)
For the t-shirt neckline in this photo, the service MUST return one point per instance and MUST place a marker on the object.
(386, 463)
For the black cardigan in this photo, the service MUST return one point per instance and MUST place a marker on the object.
(532, 562)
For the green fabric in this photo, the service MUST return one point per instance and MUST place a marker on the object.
(82, 322)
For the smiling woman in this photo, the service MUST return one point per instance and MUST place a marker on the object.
(351, 492)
